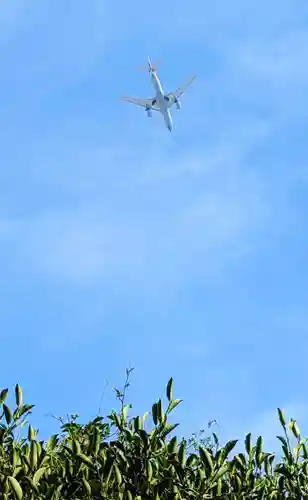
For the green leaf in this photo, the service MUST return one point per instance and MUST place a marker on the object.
(228, 448)
(167, 429)
(31, 433)
(149, 470)
(137, 423)
(295, 430)
(170, 389)
(118, 475)
(221, 471)
(206, 458)
(31, 483)
(219, 488)
(258, 453)
(7, 414)
(76, 447)
(85, 459)
(3, 395)
(160, 410)
(173, 404)
(281, 418)
(38, 474)
(18, 395)
(19, 412)
(283, 440)
(215, 438)
(305, 451)
(192, 459)
(128, 495)
(86, 485)
(182, 454)
(125, 411)
(15, 486)
(52, 442)
(154, 413)
(33, 454)
(172, 445)
(144, 436)
(248, 443)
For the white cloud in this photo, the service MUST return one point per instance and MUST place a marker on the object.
(205, 212)
(55, 43)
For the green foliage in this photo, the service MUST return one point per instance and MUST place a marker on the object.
(120, 458)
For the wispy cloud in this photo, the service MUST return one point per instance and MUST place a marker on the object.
(145, 224)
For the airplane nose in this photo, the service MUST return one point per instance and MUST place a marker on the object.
(170, 128)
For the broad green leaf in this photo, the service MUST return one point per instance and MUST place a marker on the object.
(17, 470)
(145, 416)
(305, 451)
(149, 470)
(125, 411)
(283, 440)
(97, 441)
(118, 475)
(228, 448)
(191, 460)
(221, 471)
(31, 433)
(76, 447)
(128, 495)
(173, 404)
(137, 423)
(182, 454)
(87, 486)
(18, 396)
(38, 474)
(170, 389)
(33, 454)
(15, 486)
(219, 487)
(172, 445)
(281, 417)
(258, 452)
(154, 413)
(167, 429)
(144, 436)
(295, 430)
(248, 443)
(7, 414)
(85, 459)
(206, 458)
(31, 484)
(216, 440)
(3, 395)
(52, 442)
(160, 410)
(19, 412)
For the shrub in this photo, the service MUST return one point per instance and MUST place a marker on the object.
(119, 458)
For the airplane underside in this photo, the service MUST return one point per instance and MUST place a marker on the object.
(160, 102)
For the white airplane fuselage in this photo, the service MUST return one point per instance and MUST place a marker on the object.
(161, 102)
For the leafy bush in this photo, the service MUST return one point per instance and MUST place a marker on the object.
(117, 458)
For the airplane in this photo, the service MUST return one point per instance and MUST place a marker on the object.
(160, 102)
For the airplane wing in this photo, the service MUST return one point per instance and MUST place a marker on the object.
(179, 91)
(141, 102)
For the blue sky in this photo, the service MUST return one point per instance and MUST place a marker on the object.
(180, 254)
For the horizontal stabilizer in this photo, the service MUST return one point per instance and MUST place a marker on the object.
(144, 103)
(151, 65)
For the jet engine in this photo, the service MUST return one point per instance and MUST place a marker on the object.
(177, 103)
(149, 112)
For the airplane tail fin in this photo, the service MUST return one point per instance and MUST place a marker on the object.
(151, 66)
